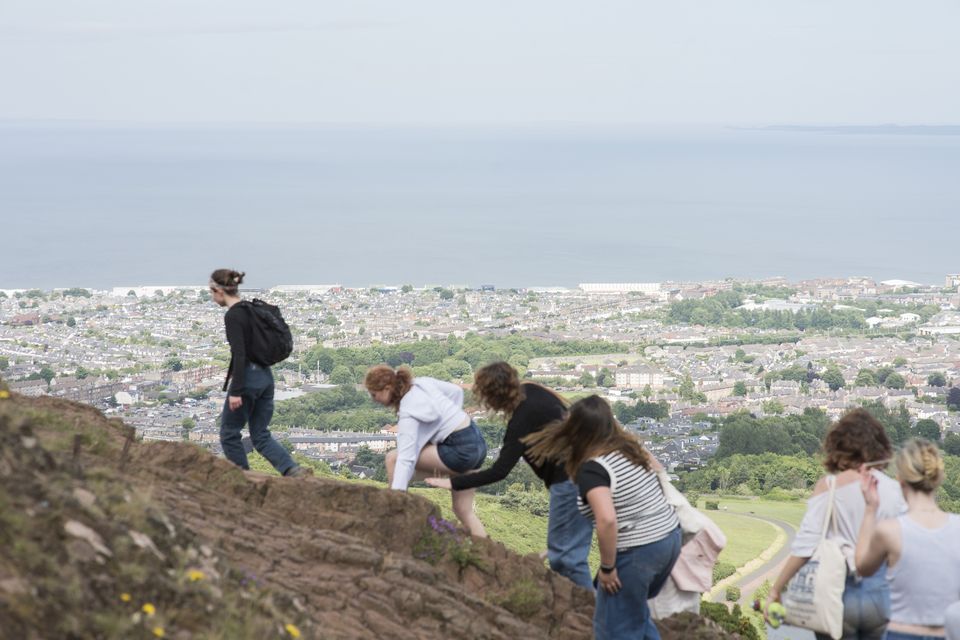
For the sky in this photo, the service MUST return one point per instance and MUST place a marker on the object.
(501, 62)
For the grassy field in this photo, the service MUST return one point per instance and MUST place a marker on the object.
(746, 537)
(790, 512)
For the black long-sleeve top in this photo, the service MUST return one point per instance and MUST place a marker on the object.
(539, 408)
(237, 321)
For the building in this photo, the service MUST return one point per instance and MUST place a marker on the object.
(638, 376)
(649, 288)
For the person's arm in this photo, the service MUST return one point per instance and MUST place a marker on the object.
(871, 544)
(601, 502)
(408, 450)
(790, 568)
(238, 358)
(509, 456)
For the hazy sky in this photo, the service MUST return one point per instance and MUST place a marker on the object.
(495, 61)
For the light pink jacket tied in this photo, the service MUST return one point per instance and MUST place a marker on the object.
(694, 568)
(703, 541)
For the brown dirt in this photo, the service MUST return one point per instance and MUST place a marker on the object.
(331, 557)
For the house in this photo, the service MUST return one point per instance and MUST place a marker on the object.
(638, 376)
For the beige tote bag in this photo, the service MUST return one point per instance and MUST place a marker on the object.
(814, 596)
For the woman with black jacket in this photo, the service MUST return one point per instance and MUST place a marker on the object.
(530, 407)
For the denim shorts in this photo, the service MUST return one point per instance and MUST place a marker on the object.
(463, 450)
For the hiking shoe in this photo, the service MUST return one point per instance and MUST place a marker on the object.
(299, 472)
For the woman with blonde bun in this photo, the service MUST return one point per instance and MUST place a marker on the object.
(920, 548)
(434, 434)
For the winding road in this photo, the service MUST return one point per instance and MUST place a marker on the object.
(768, 570)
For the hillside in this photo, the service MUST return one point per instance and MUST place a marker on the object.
(106, 537)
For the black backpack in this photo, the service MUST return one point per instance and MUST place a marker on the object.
(270, 340)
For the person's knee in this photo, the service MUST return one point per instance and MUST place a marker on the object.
(390, 460)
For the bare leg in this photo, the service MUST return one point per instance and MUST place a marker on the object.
(390, 460)
(430, 464)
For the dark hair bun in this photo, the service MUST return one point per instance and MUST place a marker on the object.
(236, 278)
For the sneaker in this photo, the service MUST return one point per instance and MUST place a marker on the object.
(298, 472)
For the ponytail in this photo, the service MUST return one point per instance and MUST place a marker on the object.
(227, 280)
(383, 376)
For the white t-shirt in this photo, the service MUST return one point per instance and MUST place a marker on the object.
(848, 508)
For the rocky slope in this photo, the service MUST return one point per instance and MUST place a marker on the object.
(105, 537)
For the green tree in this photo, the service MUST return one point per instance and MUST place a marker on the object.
(895, 381)
(953, 398)
(82, 372)
(446, 294)
(587, 380)
(606, 378)
(928, 429)
(882, 373)
(173, 363)
(341, 375)
(951, 444)
(686, 390)
(865, 378)
(739, 388)
(833, 378)
(774, 407)
(899, 361)
(937, 379)
(47, 374)
(407, 288)
(4, 363)
(71, 321)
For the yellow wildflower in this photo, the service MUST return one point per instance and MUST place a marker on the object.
(158, 632)
(125, 597)
(194, 575)
(148, 609)
(292, 630)
(4, 393)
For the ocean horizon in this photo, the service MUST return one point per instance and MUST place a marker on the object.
(99, 205)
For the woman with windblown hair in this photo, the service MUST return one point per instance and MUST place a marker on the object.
(637, 531)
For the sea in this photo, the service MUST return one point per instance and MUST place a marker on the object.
(114, 204)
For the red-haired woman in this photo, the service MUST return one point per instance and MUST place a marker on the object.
(434, 434)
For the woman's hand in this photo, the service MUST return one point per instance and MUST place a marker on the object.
(609, 582)
(868, 484)
(772, 596)
(439, 483)
(235, 402)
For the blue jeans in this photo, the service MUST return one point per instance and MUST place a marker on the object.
(900, 635)
(866, 608)
(569, 535)
(463, 450)
(257, 409)
(642, 571)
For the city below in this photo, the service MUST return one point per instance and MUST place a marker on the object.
(156, 355)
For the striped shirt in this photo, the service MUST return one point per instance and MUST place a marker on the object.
(643, 515)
